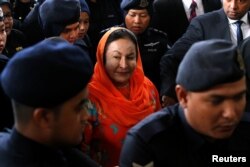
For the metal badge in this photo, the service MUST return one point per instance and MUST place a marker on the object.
(143, 3)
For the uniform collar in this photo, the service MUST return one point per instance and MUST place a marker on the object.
(32, 151)
(194, 139)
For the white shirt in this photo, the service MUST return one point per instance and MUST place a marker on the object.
(245, 27)
(187, 3)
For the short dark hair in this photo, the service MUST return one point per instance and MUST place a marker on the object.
(22, 113)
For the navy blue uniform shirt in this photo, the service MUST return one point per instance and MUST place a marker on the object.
(18, 151)
(164, 139)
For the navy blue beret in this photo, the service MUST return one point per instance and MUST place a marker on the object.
(84, 6)
(135, 4)
(47, 74)
(55, 15)
(7, 2)
(210, 63)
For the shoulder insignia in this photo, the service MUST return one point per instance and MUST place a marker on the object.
(160, 122)
(19, 48)
(158, 31)
(107, 29)
(150, 164)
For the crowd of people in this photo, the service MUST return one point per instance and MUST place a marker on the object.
(124, 83)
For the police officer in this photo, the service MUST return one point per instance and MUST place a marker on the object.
(22, 8)
(60, 19)
(152, 42)
(6, 116)
(16, 40)
(84, 40)
(47, 86)
(205, 126)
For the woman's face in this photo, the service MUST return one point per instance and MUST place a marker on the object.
(3, 36)
(8, 19)
(137, 20)
(83, 24)
(120, 61)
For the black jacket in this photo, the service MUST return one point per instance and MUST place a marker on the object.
(170, 16)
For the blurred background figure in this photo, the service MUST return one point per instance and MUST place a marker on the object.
(83, 38)
(21, 8)
(104, 14)
(16, 40)
(6, 114)
(173, 17)
(245, 51)
(219, 24)
(31, 26)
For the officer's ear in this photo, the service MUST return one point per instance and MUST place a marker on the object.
(43, 118)
(181, 94)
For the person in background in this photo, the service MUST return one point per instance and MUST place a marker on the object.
(120, 95)
(31, 26)
(84, 19)
(16, 40)
(219, 24)
(6, 115)
(104, 14)
(152, 42)
(245, 51)
(49, 113)
(207, 124)
(21, 8)
(173, 17)
(83, 38)
(3, 35)
(60, 19)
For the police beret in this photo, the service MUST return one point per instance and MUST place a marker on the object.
(55, 15)
(46, 74)
(7, 2)
(210, 63)
(84, 6)
(135, 4)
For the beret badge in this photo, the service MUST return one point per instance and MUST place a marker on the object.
(144, 3)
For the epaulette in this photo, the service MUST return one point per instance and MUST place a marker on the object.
(158, 31)
(163, 120)
(107, 29)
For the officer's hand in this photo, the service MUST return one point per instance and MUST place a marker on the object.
(167, 101)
